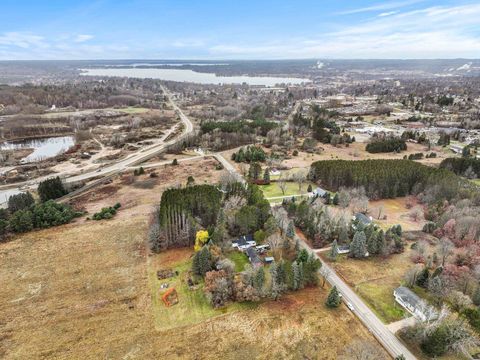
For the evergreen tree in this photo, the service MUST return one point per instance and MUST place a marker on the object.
(422, 278)
(335, 200)
(372, 245)
(476, 296)
(20, 201)
(259, 280)
(275, 289)
(266, 176)
(333, 299)
(254, 171)
(381, 243)
(290, 233)
(358, 246)
(51, 189)
(298, 277)
(333, 254)
(309, 188)
(202, 262)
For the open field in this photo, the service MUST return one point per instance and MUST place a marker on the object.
(273, 190)
(84, 290)
(239, 259)
(396, 212)
(356, 151)
(193, 306)
(374, 279)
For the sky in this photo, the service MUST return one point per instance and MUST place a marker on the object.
(238, 29)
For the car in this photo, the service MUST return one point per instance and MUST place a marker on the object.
(350, 306)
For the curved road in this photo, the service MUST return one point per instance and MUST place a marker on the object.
(131, 160)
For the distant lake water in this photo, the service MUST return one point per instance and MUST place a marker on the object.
(184, 75)
(43, 148)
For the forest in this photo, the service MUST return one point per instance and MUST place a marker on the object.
(388, 178)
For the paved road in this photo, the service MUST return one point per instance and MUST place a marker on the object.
(389, 341)
(131, 160)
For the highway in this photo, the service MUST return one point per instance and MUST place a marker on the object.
(130, 161)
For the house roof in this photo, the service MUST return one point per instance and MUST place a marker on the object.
(242, 240)
(362, 218)
(319, 191)
(253, 256)
(408, 296)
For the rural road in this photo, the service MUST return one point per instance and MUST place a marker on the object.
(381, 332)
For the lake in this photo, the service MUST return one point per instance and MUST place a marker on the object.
(43, 148)
(184, 75)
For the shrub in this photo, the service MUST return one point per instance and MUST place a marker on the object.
(21, 221)
(106, 212)
(51, 189)
(20, 201)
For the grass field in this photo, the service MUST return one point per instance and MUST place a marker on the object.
(273, 190)
(239, 259)
(88, 290)
(375, 279)
(193, 306)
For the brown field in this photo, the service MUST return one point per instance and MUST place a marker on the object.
(356, 151)
(81, 291)
(397, 212)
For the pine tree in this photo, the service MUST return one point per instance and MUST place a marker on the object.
(476, 296)
(275, 289)
(333, 299)
(372, 244)
(422, 277)
(381, 243)
(202, 262)
(335, 200)
(309, 188)
(266, 176)
(259, 280)
(297, 270)
(358, 247)
(333, 254)
(290, 230)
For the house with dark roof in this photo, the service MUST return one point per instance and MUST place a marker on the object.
(363, 219)
(253, 257)
(414, 304)
(244, 242)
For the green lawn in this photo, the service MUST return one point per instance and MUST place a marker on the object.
(193, 306)
(379, 298)
(240, 260)
(273, 190)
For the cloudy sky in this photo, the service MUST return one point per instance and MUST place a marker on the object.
(246, 29)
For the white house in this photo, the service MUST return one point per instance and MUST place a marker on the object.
(413, 304)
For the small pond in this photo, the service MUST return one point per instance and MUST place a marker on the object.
(43, 148)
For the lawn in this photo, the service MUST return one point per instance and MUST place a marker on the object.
(273, 190)
(193, 306)
(374, 279)
(133, 110)
(240, 260)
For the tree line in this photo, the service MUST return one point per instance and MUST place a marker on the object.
(387, 178)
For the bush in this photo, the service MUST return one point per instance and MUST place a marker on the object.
(51, 189)
(21, 221)
(20, 201)
(435, 344)
(106, 213)
(50, 214)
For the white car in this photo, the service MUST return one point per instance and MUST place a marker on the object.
(350, 306)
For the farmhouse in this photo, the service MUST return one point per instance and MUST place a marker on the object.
(244, 242)
(412, 303)
(362, 219)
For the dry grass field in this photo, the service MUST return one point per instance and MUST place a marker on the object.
(82, 291)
